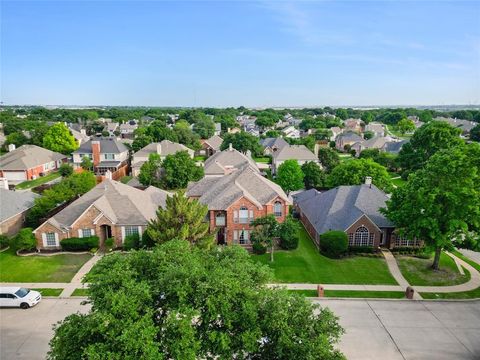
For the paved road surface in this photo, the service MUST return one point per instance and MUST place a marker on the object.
(375, 329)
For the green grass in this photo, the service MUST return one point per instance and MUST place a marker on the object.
(306, 265)
(59, 268)
(38, 181)
(80, 292)
(345, 157)
(200, 158)
(472, 294)
(394, 131)
(264, 160)
(398, 182)
(419, 272)
(49, 292)
(467, 260)
(125, 179)
(353, 294)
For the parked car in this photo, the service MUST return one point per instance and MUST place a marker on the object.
(19, 297)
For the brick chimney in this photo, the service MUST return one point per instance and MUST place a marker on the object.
(368, 181)
(230, 147)
(96, 152)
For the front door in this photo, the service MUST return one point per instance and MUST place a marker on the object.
(221, 236)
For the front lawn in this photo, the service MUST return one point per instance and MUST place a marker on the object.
(38, 181)
(49, 292)
(263, 160)
(419, 271)
(345, 157)
(472, 294)
(58, 268)
(467, 260)
(353, 294)
(80, 292)
(306, 265)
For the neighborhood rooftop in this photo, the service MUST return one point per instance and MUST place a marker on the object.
(222, 161)
(28, 156)
(15, 202)
(109, 145)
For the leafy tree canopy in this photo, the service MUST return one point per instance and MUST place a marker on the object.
(58, 138)
(179, 169)
(290, 176)
(243, 142)
(328, 158)
(315, 177)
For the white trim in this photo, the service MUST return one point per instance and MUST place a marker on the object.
(80, 233)
(348, 227)
(123, 233)
(44, 239)
(92, 232)
(140, 231)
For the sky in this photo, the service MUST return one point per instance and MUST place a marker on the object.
(227, 53)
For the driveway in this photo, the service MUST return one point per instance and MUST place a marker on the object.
(375, 329)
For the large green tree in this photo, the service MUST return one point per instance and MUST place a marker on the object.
(328, 158)
(181, 219)
(354, 172)
(243, 142)
(290, 176)
(475, 133)
(179, 169)
(204, 126)
(58, 138)
(179, 302)
(150, 171)
(314, 176)
(425, 142)
(405, 125)
(441, 200)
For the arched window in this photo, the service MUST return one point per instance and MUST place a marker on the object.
(243, 215)
(362, 237)
(277, 208)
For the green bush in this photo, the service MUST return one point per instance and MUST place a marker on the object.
(109, 242)
(4, 241)
(288, 234)
(333, 243)
(65, 170)
(131, 242)
(79, 244)
(24, 240)
(146, 241)
(258, 248)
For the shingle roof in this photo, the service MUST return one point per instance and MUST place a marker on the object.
(270, 142)
(107, 145)
(27, 157)
(163, 148)
(218, 162)
(295, 152)
(350, 136)
(215, 142)
(221, 192)
(394, 146)
(121, 203)
(15, 202)
(339, 208)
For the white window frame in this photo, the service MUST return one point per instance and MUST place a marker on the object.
(243, 215)
(106, 156)
(45, 239)
(361, 237)
(275, 208)
(243, 237)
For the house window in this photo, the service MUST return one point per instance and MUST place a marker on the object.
(277, 208)
(51, 239)
(220, 219)
(86, 232)
(243, 237)
(131, 230)
(243, 215)
(109, 156)
(403, 241)
(361, 237)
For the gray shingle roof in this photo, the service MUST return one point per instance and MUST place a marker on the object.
(339, 208)
(394, 146)
(15, 202)
(215, 142)
(107, 145)
(27, 157)
(221, 192)
(270, 142)
(121, 203)
(295, 152)
(350, 136)
(216, 164)
(163, 148)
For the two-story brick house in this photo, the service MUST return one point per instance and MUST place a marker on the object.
(110, 210)
(236, 199)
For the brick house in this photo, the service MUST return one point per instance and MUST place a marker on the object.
(110, 210)
(300, 153)
(223, 162)
(352, 209)
(235, 200)
(14, 206)
(211, 145)
(106, 154)
(28, 162)
(347, 138)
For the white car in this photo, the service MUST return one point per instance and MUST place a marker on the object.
(19, 297)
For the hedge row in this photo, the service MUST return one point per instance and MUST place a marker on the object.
(79, 244)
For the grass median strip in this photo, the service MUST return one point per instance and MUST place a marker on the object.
(353, 294)
(472, 294)
(80, 292)
(49, 292)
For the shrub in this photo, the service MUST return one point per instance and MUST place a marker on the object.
(131, 242)
(4, 241)
(79, 244)
(146, 241)
(24, 240)
(334, 243)
(288, 234)
(109, 242)
(65, 170)
(258, 248)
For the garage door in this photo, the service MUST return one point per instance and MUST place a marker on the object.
(15, 175)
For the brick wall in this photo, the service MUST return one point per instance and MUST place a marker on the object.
(372, 228)
(12, 225)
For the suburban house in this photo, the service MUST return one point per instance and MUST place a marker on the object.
(127, 129)
(354, 125)
(300, 153)
(376, 128)
(347, 138)
(377, 142)
(28, 162)
(81, 136)
(14, 206)
(394, 147)
(464, 125)
(272, 145)
(291, 132)
(224, 162)
(111, 127)
(352, 209)
(235, 200)
(107, 155)
(110, 210)
(218, 129)
(335, 132)
(211, 145)
(163, 148)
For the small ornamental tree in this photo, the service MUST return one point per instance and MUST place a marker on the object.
(334, 243)
(265, 232)
(24, 240)
(86, 163)
(290, 176)
(65, 170)
(288, 233)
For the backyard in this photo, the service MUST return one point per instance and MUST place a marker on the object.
(38, 181)
(306, 265)
(58, 268)
(419, 272)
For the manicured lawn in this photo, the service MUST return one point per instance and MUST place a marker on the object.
(398, 182)
(419, 272)
(49, 292)
(467, 260)
(39, 181)
(472, 294)
(80, 292)
(200, 158)
(306, 265)
(354, 294)
(59, 268)
(264, 160)
(394, 131)
(125, 179)
(345, 157)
